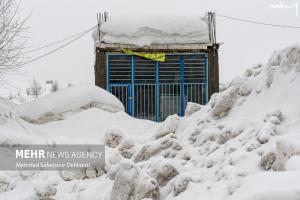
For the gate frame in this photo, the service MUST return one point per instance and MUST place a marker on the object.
(130, 86)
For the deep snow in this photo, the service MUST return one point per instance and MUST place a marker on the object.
(243, 145)
(70, 99)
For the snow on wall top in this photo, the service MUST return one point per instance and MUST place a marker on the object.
(71, 99)
(147, 30)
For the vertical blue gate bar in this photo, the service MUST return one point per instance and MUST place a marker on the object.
(129, 100)
(157, 96)
(132, 87)
(181, 86)
(206, 78)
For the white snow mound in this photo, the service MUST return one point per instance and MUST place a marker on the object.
(6, 110)
(270, 186)
(71, 99)
(225, 149)
(288, 58)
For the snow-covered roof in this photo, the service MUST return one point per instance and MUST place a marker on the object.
(147, 31)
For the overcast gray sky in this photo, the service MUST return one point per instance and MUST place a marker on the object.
(244, 44)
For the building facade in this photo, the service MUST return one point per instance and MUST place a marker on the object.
(152, 89)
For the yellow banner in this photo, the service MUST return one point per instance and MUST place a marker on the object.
(161, 57)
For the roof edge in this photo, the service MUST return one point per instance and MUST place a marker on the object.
(191, 46)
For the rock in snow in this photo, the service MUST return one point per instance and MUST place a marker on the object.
(113, 136)
(131, 183)
(243, 145)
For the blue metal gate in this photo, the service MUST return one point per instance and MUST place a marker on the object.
(154, 90)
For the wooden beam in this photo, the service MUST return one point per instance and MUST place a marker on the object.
(156, 47)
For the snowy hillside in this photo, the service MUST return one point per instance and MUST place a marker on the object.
(243, 145)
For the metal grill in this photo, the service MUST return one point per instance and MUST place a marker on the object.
(144, 71)
(194, 69)
(122, 92)
(153, 90)
(169, 99)
(120, 69)
(144, 103)
(169, 71)
(195, 92)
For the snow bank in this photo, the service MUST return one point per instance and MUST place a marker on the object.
(71, 99)
(131, 183)
(92, 126)
(6, 110)
(5, 102)
(293, 164)
(270, 186)
(243, 145)
(12, 130)
(147, 30)
(224, 150)
(288, 58)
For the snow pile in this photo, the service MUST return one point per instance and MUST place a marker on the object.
(95, 124)
(243, 145)
(6, 110)
(168, 126)
(113, 137)
(270, 186)
(147, 30)
(288, 58)
(71, 99)
(131, 183)
(12, 130)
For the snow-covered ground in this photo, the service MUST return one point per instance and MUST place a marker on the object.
(243, 145)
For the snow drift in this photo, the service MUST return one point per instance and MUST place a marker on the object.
(147, 30)
(71, 99)
(239, 146)
(243, 145)
(7, 110)
(101, 117)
